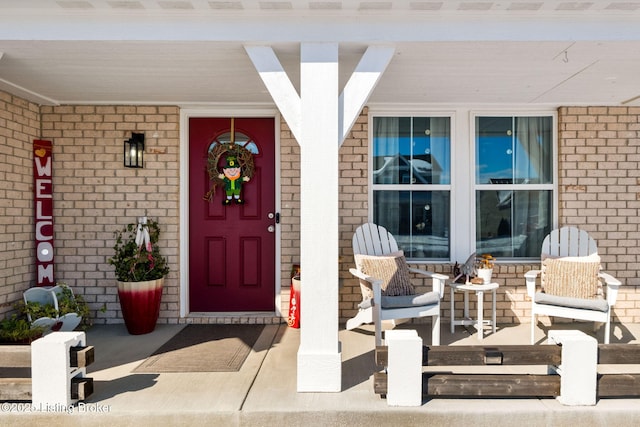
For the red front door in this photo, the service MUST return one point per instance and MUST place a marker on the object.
(232, 246)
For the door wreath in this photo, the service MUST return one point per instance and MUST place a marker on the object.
(237, 168)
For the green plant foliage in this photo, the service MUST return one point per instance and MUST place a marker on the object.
(67, 303)
(136, 264)
(70, 303)
(37, 310)
(18, 329)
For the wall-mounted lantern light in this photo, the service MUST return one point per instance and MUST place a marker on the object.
(134, 151)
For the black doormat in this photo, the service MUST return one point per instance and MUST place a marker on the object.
(204, 348)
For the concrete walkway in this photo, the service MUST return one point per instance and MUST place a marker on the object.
(263, 392)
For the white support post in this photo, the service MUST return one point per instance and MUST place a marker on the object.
(51, 371)
(278, 84)
(319, 118)
(404, 368)
(360, 85)
(579, 368)
(319, 355)
(313, 120)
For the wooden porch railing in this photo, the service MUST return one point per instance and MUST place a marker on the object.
(466, 385)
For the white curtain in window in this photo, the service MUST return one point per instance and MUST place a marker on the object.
(532, 165)
(533, 150)
(387, 144)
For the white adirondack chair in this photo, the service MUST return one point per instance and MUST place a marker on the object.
(574, 247)
(371, 239)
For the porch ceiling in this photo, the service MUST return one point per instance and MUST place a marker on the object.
(448, 52)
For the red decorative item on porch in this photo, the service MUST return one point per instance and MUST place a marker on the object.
(294, 298)
(43, 200)
(140, 304)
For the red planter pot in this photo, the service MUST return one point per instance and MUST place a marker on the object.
(140, 304)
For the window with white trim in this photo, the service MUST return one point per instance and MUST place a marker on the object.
(411, 182)
(513, 184)
(504, 199)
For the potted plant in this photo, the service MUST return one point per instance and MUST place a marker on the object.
(485, 267)
(70, 304)
(140, 272)
(55, 309)
(18, 330)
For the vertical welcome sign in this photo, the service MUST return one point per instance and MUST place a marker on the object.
(43, 200)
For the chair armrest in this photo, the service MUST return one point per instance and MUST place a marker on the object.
(530, 278)
(360, 275)
(374, 282)
(613, 285)
(439, 280)
(376, 285)
(428, 273)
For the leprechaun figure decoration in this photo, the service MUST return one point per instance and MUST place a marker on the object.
(233, 180)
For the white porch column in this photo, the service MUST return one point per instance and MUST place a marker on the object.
(319, 358)
(319, 119)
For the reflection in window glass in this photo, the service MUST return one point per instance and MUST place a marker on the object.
(513, 150)
(513, 229)
(238, 138)
(410, 155)
(419, 220)
(411, 150)
(512, 155)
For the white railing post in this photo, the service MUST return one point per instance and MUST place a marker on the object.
(404, 368)
(579, 367)
(51, 370)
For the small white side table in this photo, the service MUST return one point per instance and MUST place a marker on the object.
(479, 290)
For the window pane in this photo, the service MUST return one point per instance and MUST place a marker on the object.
(512, 223)
(431, 150)
(532, 149)
(419, 220)
(391, 150)
(411, 150)
(238, 138)
(514, 150)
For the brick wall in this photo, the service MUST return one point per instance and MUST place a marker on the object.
(94, 194)
(599, 167)
(289, 210)
(353, 207)
(19, 126)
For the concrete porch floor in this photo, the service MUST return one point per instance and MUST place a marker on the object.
(263, 392)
